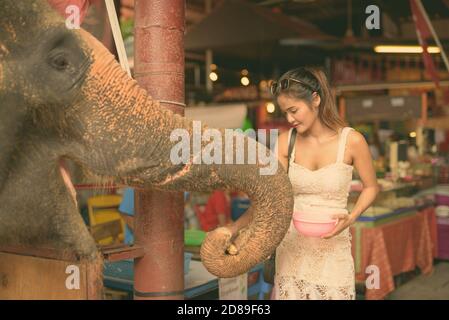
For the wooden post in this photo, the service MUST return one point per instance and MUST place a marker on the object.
(159, 216)
(115, 27)
(424, 108)
(434, 34)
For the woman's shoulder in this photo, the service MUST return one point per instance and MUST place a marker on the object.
(356, 140)
(283, 141)
(283, 137)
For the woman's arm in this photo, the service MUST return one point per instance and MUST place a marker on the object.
(363, 162)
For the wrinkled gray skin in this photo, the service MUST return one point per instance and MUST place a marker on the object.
(62, 95)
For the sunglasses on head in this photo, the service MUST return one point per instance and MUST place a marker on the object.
(284, 84)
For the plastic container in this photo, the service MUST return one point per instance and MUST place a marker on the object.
(187, 258)
(442, 200)
(443, 238)
(239, 207)
(442, 189)
(194, 238)
(313, 228)
(442, 211)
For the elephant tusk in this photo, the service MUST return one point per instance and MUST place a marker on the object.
(185, 170)
(67, 179)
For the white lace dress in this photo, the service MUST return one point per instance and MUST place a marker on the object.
(315, 268)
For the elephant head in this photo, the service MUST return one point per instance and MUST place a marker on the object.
(63, 96)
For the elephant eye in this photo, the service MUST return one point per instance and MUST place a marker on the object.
(59, 61)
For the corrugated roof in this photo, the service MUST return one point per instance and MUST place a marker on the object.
(236, 22)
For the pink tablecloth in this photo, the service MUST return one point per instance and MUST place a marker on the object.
(398, 247)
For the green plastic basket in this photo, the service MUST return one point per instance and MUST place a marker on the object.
(194, 237)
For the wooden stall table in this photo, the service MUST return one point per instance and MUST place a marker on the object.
(396, 244)
(28, 273)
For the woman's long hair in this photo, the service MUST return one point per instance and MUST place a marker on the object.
(315, 81)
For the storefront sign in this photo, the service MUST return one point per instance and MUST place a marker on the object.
(383, 108)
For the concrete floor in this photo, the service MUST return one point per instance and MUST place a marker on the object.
(425, 287)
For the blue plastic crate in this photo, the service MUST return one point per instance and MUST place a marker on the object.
(187, 258)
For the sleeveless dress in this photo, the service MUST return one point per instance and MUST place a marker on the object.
(315, 268)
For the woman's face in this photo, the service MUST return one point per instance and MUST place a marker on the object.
(298, 113)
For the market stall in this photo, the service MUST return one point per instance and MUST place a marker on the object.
(389, 246)
(215, 61)
(398, 236)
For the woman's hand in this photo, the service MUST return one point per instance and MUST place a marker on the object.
(344, 221)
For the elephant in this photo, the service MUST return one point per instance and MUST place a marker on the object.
(64, 96)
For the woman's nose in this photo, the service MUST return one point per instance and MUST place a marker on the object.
(290, 119)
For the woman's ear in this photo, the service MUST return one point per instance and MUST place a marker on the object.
(316, 100)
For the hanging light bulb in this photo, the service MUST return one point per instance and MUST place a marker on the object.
(270, 107)
(213, 76)
(245, 81)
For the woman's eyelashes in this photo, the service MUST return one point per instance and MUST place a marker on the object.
(291, 110)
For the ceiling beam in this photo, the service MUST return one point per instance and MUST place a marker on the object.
(385, 85)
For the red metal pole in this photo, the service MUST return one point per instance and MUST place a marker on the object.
(159, 68)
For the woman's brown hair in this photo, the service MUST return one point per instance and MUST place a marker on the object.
(310, 80)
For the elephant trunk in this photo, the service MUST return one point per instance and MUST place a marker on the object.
(271, 209)
(152, 147)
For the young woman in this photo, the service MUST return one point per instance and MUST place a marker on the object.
(320, 170)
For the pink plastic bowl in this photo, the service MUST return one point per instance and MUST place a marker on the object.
(314, 228)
